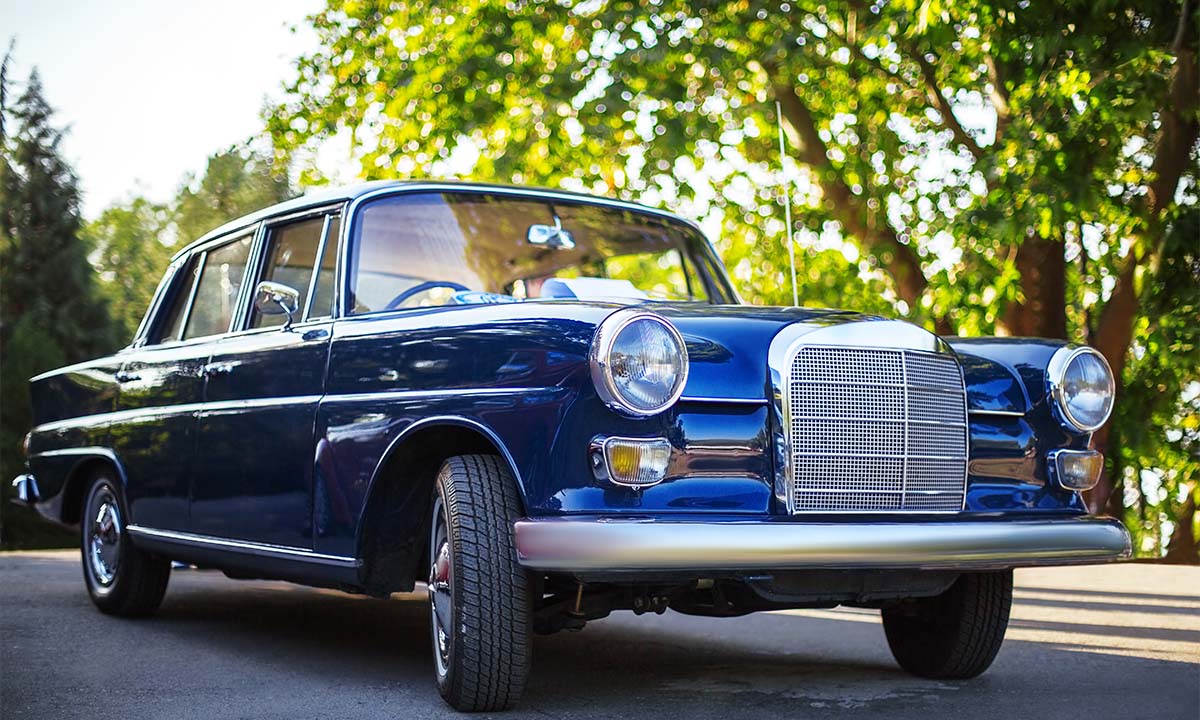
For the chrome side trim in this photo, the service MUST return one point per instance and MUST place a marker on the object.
(429, 394)
(564, 544)
(722, 401)
(117, 416)
(997, 413)
(241, 546)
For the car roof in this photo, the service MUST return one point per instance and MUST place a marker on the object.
(347, 193)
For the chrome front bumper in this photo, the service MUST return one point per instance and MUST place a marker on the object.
(615, 545)
(27, 489)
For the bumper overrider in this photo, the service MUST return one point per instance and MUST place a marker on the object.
(26, 489)
(643, 545)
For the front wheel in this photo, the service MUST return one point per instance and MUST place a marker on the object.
(120, 578)
(955, 635)
(478, 593)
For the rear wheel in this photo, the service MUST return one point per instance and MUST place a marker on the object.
(954, 635)
(478, 593)
(120, 578)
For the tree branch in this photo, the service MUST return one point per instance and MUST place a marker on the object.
(999, 96)
(848, 208)
(929, 74)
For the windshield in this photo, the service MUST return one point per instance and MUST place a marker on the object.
(420, 250)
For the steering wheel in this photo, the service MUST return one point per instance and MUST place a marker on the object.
(420, 288)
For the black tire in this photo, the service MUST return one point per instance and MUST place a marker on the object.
(121, 579)
(955, 635)
(481, 638)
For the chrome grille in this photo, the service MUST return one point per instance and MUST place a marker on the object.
(876, 429)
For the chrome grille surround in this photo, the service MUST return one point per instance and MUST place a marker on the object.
(872, 418)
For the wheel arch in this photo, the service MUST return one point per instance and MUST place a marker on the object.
(79, 465)
(392, 534)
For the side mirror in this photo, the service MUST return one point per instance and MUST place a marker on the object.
(272, 298)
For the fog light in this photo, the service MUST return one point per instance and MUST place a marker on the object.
(635, 462)
(1077, 470)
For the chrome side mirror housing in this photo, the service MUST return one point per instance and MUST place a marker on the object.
(272, 298)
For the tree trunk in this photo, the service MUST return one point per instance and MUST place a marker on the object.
(1181, 549)
(1180, 128)
(849, 209)
(1043, 270)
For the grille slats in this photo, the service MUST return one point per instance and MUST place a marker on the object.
(875, 429)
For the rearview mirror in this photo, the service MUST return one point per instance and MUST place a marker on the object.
(551, 236)
(272, 298)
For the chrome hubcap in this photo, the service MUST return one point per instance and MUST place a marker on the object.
(104, 543)
(441, 588)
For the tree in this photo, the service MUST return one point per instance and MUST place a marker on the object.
(50, 311)
(978, 167)
(133, 241)
(235, 182)
(132, 244)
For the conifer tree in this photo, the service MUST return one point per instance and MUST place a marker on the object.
(50, 312)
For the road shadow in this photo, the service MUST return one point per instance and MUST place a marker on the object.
(745, 665)
(279, 650)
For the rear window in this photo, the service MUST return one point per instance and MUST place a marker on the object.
(220, 284)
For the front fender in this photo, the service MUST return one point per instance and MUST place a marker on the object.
(60, 476)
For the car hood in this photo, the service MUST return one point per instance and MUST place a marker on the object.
(729, 345)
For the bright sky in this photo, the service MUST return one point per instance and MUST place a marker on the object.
(150, 88)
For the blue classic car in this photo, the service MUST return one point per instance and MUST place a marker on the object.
(548, 406)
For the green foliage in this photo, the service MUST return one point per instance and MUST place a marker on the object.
(71, 292)
(235, 182)
(132, 242)
(131, 247)
(50, 311)
(1158, 418)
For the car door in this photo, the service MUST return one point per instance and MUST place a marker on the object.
(162, 384)
(254, 467)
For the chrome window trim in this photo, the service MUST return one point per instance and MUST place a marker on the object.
(869, 334)
(201, 261)
(242, 546)
(316, 271)
(151, 316)
(1055, 371)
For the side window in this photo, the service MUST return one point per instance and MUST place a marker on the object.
(291, 256)
(174, 314)
(322, 305)
(217, 292)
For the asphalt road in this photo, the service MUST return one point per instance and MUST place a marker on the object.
(1101, 642)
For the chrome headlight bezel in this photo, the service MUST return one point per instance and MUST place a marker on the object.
(607, 333)
(1056, 371)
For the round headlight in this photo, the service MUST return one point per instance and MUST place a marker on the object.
(1082, 385)
(639, 363)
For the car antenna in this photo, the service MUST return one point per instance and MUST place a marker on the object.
(787, 207)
